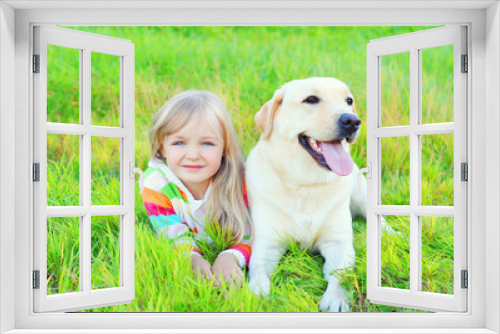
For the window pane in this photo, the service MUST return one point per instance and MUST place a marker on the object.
(63, 255)
(437, 169)
(395, 89)
(437, 84)
(437, 254)
(105, 171)
(395, 252)
(63, 85)
(105, 89)
(395, 185)
(63, 170)
(105, 252)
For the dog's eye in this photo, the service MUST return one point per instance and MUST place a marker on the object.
(349, 101)
(313, 99)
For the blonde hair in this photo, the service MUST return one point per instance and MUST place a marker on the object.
(225, 203)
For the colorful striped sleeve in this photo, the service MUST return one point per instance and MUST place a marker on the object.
(166, 222)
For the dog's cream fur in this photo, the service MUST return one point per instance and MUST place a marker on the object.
(292, 196)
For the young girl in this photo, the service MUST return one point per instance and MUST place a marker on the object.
(196, 173)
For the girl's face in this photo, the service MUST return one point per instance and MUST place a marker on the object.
(194, 154)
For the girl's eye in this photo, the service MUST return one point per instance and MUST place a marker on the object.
(313, 99)
(208, 143)
(349, 101)
(178, 143)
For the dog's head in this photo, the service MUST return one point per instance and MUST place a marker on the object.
(316, 114)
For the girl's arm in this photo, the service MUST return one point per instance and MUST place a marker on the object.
(165, 221)
(241, 251)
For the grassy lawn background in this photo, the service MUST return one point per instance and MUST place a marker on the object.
(243, 65)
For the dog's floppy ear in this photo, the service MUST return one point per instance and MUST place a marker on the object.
(265, 116)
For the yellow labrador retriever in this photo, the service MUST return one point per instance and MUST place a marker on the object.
(301, 181)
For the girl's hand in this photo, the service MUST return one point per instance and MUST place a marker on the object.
(201, 266)
(225, 267)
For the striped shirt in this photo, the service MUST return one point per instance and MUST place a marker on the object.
(174, 213)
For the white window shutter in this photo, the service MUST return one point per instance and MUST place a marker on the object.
(84, 297)
(414, 297)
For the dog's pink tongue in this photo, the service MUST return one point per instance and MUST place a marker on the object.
(337, 158)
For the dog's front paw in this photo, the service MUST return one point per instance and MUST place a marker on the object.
(260, 285)
(331, 303)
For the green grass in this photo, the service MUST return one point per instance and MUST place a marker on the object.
(243, 65)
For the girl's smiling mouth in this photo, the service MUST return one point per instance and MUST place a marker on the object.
(193, 167)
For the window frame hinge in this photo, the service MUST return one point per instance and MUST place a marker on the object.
(36, 172)
(465, 64)
(465, 279)
(464, 172)
(36, 63)
(36, 279)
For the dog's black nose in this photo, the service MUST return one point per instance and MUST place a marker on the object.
(349, 123)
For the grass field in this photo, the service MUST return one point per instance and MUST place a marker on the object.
(243, 65)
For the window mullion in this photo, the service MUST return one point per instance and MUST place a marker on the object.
(433, 129)
(421, 211)
(86, 171)
(420, 129)
(415, 160)
(80, 130)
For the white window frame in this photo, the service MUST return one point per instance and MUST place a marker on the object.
(85, 44)
(413, 44)
(16, 21)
